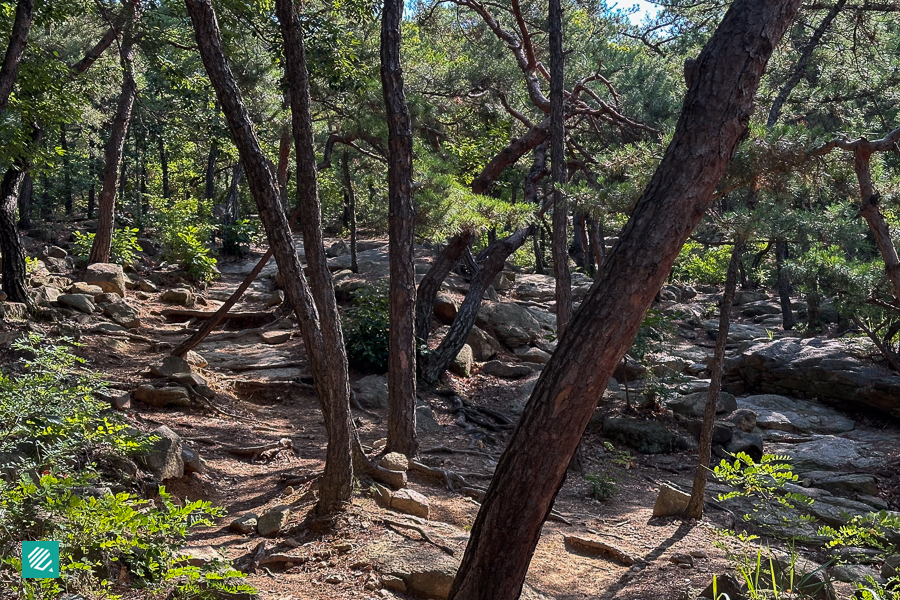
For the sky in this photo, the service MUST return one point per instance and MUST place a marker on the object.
(644, 6)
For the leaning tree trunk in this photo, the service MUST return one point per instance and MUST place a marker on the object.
(351, 210)
(784, 285)
(233, 199)
(401, 436)
(331, 372)
(24, 200)
(714, 118)
(13, 256)
(107, 202)
(15, 49)
(695, 506)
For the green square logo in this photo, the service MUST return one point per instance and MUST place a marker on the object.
(40, 560)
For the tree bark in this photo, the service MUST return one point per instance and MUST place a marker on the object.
(233, 199)
(431, 283)
(25, 194)
(116, 144)
(67, 176)
(351, 209)
(784, 285)
(695, 506)
(164, 166)
(714, 118)
(325, 345)
(15, 49)
(210, 191)
(13, 256)
(401, 436)
(284, 158)
(560, 242)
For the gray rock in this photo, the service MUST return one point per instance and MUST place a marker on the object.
(182, 296)
(748, 296)
(891, 566)
(162, 397)
(123, 315)
(426, 571)
(532, 355)
(107, 276)
(649, 437)
(484, 346)
(394, 461)
(462, 363)
(724, 584)
(853, 483)
(425, 422)
(44, 295)
(275, 299)
(750, 444)
(80, 302)
(775, 412)
(757, 309)
(410, 502)
(274, 338)
(145, 285)
(505, 370)
(854, 573)
(273, 520)
(837, 511)
(743, 419)
(512, 324)
(88, 289)
(693, 405)
(56, 252)
(188, 379)
(170, 366)
(372, 391)
(13, 311)
(163, 458)
(445, 307)
(721, 433)
(192, 461)
(803, 576)
(245, 523)
(670, 502)
(737, 332)
(826, 453)
(339, 248)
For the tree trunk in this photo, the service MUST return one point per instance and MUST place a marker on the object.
(401, 435)
(538, 252)
(598, 243)
(210, 191)
(116, 144)
(15, 49)
(489, 267)
(560, 242)
(431, 283)
(13, 256)
(714, 118)
(784, 285)
(284, 158)
(325, 345)
(351, 209)
(24, 200)
(233, 199)
(695, 506)
(67, 176)
(164, 166)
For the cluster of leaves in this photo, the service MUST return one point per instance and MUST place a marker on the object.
(54, 435)
(184, 236)
(700, 264)
(123, 250)
(238, 237)
(366, 329)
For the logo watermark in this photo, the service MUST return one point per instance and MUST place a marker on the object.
(40, 560)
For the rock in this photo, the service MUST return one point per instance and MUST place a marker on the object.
(826, 453)
(462, 363)
(721, 433)
(425, 422)
(275, 299)
(737, 332)
(56, 265)
(669, 293)
(56, 252)
(445, 307)
(188, 379)
(339, 248)
(245, 523)
(693, 405)
(852, 483)
(382, 495)
(271, 521)
(372, 391)
(670, 502)
(394, 461)
(195, 360)
(334, 579)
(629, 370)
(750, 444)
(512, 324)
(122, 314)
(854, 573)
(760, 308)
(107, 298)
(170, 366)
(346, 284)
(505, 370)
(163, 458)
(747, 296)
(13, 311)
(120, 401)
(410, 502)
(779, 413)
(395, 584)
(484, 346)
(44, 295)
(80, 302)
(891, 566)
(182, 296)
(802, 575)
(145, 285)
(148, 246)
(723, 585)
(197, 556)
(532, 355)
(743, 419)
(837, 511)
(79, 287)
(107, 276)
(162, 397)
(192, 461)
(598, 547)
(275, 337)
(649, 437)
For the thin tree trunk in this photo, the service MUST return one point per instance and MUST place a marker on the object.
(123, 172)
(330, 369)
(538, 252)
(714, 118)
(233, 199)
(67, 175)
(695, 506)
(25, 195)
(210, 191)
(560, 244)
(15, 49)
(431, 283)
(351, 209)
(13, 255)
(107, 203)
(784, 285)
(164, 166)
(284, 159)
(598, 251)
(401, 436)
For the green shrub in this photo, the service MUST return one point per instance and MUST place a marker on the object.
(366, 331)
(237, 238)
(698, 264)
(54, 434)
(184, 236)
(123, 250)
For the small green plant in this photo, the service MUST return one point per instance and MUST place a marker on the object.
(701, 264)
(864, 531)
(123, 250)
(31, 264)
(603, 487)
(366, 333)
(184, 235)
(873, 590)
(621, 458)
(237, 238)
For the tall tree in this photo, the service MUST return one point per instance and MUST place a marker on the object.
(560, 243)
(714, 118)
(115, 146)
(401, 221)
(15, 49)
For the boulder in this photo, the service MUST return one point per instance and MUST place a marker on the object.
(182, 296)
(170, 366)
(122, 314)
(462, 363)
(747, 296)
(162, 397)
(192, 461)
(827, 453)
(693, 405)
(512, 324)
(145, 285)
(629, 370)
(776, 412)
(273, 520)
(13, 311)
(410, 502)
(484, 347)
(670, 502)
(426, 571)
(743, 419)
(275, 298)
(445, 307)
(721, 433)
(88, 289)
(56, 252)
(750, 444)
(44, 295)
(80, 302)
(394, 461)
(274, 337)
(891, 566)
(245, 523)
(339, 248)
(108, 276)
(532, 355)
(853, 483)
(649, 437)
(425, 421)
(505, 370)
(372, 391)
(163, 457)
(188, 378)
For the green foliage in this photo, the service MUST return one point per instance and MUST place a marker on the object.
(366, 329)
(54, 434)
(874, 590)
(123, 250)
(237, 237)
(183, 235)
(762, 481)
(603, 486)
(864, 531)
(697, 263)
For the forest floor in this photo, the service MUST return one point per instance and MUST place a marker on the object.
(343, 558)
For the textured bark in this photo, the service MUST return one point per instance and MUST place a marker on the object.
(695, 506)
(15, 49)
(784, 285)
(714, 118)
(164, 166)
(210, 191)
(13, 256)
(116, 144)
(97, 51)
(560, 242)
(25, 194)
(510, 155)
(401, 436)
(431, 283)
(351, 209)
(328, 356)
(441, 357)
